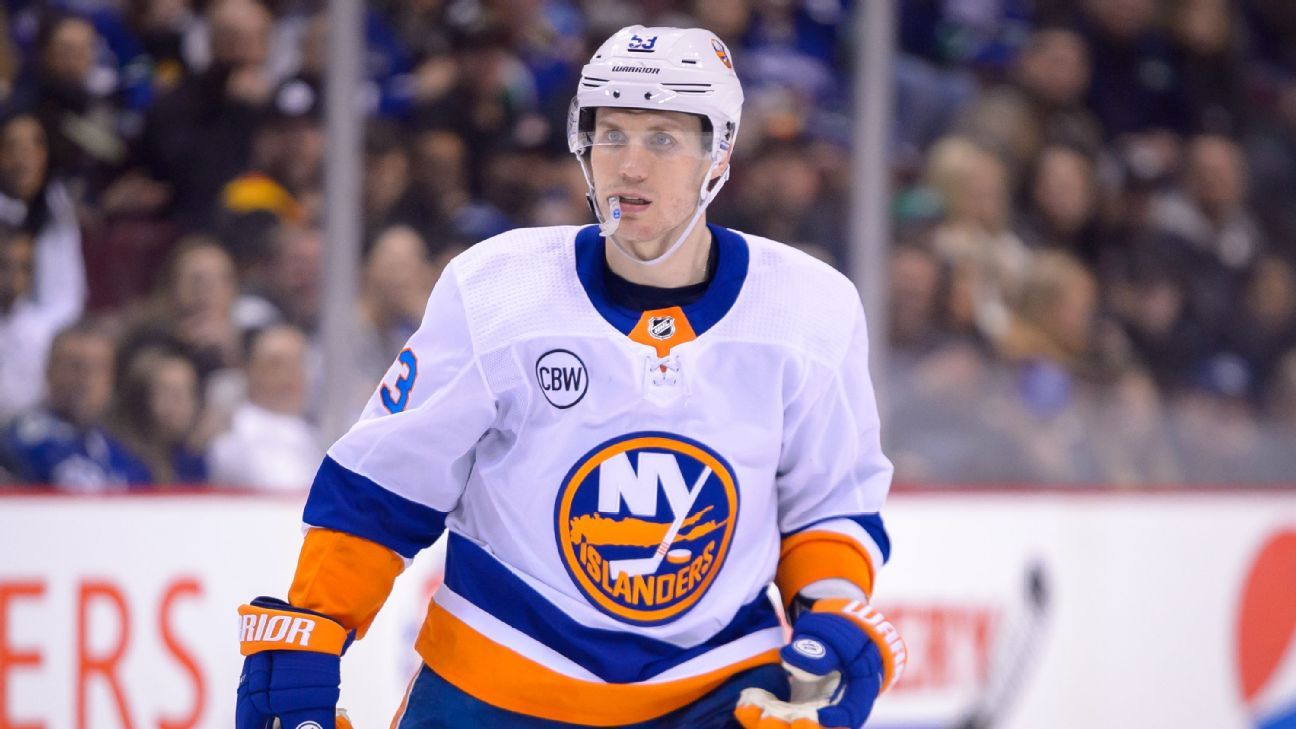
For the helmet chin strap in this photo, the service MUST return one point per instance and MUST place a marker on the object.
(609, 225)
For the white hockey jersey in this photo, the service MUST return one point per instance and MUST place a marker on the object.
(619, 486)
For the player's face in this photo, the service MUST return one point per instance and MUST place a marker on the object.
(654, 162)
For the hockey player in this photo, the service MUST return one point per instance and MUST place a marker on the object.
(629, 431)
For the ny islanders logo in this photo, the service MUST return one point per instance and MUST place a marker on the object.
(644, 523)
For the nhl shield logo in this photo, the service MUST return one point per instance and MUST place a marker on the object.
(644, 523)
(661, 327)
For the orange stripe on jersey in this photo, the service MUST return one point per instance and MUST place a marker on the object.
(492, 673)
(811, 556)
(345, 577)
(663, 329)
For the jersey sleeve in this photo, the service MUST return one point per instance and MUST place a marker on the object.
(833, 477)
(384, 488)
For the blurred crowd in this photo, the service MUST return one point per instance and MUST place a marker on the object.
(1091, 279)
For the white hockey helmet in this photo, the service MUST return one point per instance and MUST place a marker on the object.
(666, 69)
(660, 69)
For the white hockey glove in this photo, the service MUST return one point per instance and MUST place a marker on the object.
(843, 654)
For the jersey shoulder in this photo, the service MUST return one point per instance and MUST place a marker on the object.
(514, 252)
(797, 299)
(521, 284)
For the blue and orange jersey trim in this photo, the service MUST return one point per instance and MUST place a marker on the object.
(852, 548)
(486, 621)
(347, 501)
(345, 577)
(474, 664)
(731, 272)
(364, 534)
(614, 656)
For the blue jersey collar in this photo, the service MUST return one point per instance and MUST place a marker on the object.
(702, 314)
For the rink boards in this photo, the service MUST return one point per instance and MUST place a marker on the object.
(1055, 608)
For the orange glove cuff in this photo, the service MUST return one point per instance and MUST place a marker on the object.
(878, 628)
(265, 629)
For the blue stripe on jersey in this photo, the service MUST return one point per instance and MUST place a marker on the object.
(613, 655)
(871, 523)
(346, 501)
(702, 314)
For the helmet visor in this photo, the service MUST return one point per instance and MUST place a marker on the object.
(664, 142)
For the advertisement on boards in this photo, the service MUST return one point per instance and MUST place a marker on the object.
(1020, 610)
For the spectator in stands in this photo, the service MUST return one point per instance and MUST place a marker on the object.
(441, 196)
(1004, 123)
(1271, 151)
(286, 172)
(1128, 433)
(983, 35)
(952, 419)
(296, 280)
(25, 328)
(1054, 317)
(915, 301)
(195, 306)
(562, 197)
(387, 177)
(782, 196)
(1049, 419)
(786, 54)
(154, 413)
(62, 443)
(1027, 132)
(73, 104)
(1212, 233)
(1062, 204)
(927, 102)
(9, 59)
(510, 185)
(1261, 326)
(989, 263)
(159, 28)
(1209, 62)
(1148, 294)
(398, 277)
(1134, 88)
(1281, 411)
(550, 40)
(1215, 431)
(493, 102)
(270, 444)
(422, 28)
(441, 173)
(31, 196)
(220, 106)
(1054, 71)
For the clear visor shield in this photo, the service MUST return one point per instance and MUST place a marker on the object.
(662, 143)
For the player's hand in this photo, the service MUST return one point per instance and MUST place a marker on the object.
(843, 654)
(293, 667)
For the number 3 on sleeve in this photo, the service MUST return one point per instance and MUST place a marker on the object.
(396, 403)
